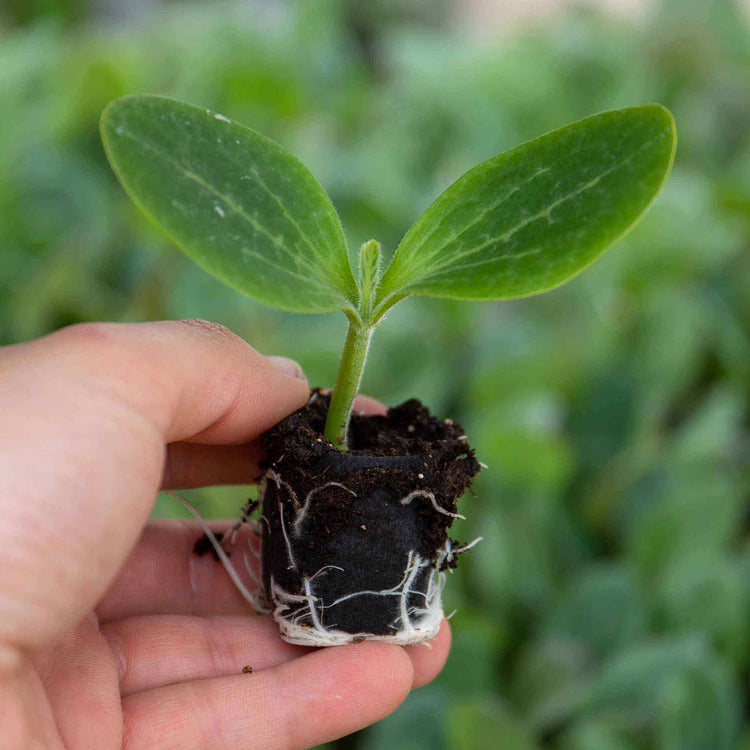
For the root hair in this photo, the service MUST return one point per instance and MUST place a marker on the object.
(252, 599)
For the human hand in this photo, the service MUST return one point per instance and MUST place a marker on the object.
(109, 635)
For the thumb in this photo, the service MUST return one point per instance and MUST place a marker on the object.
(87, 412)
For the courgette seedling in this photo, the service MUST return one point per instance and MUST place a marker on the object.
(252, 215)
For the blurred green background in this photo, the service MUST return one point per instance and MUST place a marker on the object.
(609, 604)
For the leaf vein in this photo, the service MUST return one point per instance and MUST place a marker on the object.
(294, 223)
(275, 241)
(534, 217)
(475, 221)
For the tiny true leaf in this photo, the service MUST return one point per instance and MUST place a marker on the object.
(236, 202)
(531, 218)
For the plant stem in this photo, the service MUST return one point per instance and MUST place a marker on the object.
(348, 379)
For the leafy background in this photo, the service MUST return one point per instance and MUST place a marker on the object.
(609, 604)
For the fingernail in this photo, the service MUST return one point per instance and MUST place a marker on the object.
(288, 366)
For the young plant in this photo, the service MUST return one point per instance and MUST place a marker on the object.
(252, 215)
(355, 543)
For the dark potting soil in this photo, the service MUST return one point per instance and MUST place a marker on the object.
(435, 448)
(203, 546)
(361, 533)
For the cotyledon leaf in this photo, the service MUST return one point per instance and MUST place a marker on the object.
(236, 202)
(531, 218)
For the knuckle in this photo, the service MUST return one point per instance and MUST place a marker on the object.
(107, 343)
(95, 332)
(217, 647)
(116, 644)
(210, 329)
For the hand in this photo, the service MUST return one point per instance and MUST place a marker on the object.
(111, 634)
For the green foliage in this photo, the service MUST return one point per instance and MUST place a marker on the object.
(473, 725)
(527, 220)
(236, 202)
(612, 412)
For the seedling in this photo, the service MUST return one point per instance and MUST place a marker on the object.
(252, 215)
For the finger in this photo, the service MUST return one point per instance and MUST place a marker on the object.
(364, 404)
(159, 650)
(26, 717)
(192, 379)
(196, 465)
(79, 675)
(163, 576)
(429, 658)
(102, 400)
(369, 406)
(154, 651)
(304, 702)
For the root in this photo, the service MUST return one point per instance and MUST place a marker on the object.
(303, 625)
(323, 569)
(245, 518)
(431, 497)
(302, 614)
(467, 547)
(302, 512)
(252, 599)
(286, 537)
(279, 482)
(302, 508)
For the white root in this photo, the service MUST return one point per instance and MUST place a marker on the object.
(323, 570)
(467, 547)
(254, 552)
(294, 630)
(191, 574)
(431, 497)
(304, 507)
(251, 598)
(302, 512)
(286, 537)
(253, 575)
(304, 625)
(279, 482)
(313, 612)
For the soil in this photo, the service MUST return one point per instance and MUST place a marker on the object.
(351, 523)
(433, 456)
(203, 545)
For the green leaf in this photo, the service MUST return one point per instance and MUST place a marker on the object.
(531, 218)
(604, 607)
(486, 723)
(236, 202)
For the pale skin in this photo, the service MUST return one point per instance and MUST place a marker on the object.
(105, 641)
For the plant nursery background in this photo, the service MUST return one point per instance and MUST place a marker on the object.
(608, 606)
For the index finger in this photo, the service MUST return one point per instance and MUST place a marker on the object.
(195, 464)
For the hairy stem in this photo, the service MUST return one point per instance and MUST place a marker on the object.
(347, 382)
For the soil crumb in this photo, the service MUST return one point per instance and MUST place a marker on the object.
(203, 545)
